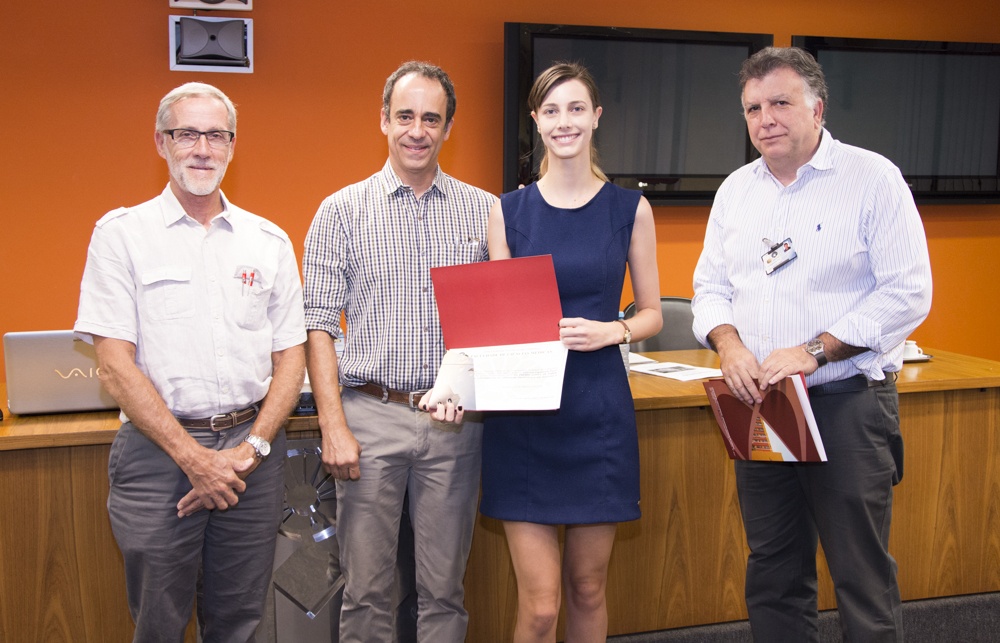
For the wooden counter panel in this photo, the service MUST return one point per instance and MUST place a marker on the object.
(61, 575)
(690, 530)
(946, 523)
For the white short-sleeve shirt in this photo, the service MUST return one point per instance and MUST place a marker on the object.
(205, 308)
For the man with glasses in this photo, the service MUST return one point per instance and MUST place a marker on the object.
(194, 307)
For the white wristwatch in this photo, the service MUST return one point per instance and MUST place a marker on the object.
(261, 447)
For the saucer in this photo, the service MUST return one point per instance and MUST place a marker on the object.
(917, 358)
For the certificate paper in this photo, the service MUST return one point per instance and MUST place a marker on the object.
(500, 321)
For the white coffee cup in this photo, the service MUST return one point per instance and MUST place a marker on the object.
(911, 350)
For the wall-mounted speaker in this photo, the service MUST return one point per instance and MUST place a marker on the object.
(211, 44)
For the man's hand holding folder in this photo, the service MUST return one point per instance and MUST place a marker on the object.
(500, 321)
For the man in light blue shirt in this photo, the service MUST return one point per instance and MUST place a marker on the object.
(815, 261)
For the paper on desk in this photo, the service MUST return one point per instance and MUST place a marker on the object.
(500, 321)
(636, 358)
(676, 371)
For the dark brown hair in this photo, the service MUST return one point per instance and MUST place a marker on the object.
(550, 79)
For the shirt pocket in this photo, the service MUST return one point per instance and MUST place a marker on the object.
(252, 287)
(466, 249)
(251, 313)
(168, 293)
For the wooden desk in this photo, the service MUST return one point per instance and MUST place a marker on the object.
(61, 575)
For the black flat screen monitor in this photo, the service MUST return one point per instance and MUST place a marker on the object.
(672, 123)
(932, 108)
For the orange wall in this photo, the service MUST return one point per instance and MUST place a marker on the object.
(79, 85)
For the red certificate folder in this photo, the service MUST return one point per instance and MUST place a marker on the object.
(497, 303)
(781, 428)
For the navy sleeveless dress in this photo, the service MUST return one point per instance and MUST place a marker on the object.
(580, 464)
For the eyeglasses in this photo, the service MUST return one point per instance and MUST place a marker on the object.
(217, 138)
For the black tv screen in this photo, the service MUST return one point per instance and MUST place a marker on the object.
(932, 108)
(672, 124)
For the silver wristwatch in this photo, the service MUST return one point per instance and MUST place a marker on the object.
(261, 447)
(815, 348)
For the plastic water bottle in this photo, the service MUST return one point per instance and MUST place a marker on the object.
(624, 348)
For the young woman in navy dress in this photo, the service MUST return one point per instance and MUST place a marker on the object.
(577, 467)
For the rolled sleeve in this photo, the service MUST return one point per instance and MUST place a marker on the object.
(324, 264)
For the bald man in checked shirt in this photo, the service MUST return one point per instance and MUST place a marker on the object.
(836, 304)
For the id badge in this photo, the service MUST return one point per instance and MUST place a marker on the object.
(779, 255)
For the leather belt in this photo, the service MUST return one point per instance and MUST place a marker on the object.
(385, 395)
(851, 385)
(222, 421)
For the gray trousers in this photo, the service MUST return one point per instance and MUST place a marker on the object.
(438, 464)
(847, 504)
(224, 556)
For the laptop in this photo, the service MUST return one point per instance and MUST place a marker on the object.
(52, 372)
